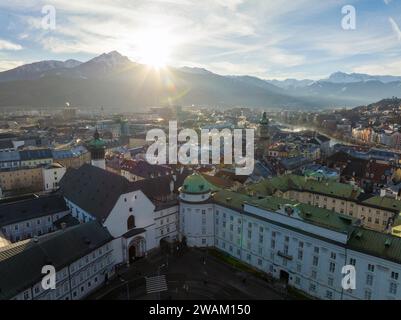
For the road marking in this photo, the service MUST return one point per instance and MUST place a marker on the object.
(156, 284)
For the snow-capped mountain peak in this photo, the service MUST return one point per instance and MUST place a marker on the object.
(342, 77)
(110, 59)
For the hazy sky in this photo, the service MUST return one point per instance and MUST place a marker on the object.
(265, 38)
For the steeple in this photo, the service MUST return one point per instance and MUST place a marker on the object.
(263, 135)
(97, 149)
(96, 135)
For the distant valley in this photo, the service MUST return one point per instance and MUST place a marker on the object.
(111, 80)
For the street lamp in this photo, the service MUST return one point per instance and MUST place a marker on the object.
(158, 273)
(126, 282)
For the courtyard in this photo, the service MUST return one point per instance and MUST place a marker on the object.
(189, 274)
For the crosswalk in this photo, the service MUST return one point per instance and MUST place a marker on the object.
(156, 284)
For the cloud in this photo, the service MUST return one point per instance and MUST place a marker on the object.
(395, 27)
(256, 37)
(7, 45)
(10, 64)
(380, 68)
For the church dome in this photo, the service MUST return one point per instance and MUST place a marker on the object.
(195, 184)
(96, 142)
(264, 119)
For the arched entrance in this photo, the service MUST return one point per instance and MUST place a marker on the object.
(136, 248)
(284, 277)
(132, 253)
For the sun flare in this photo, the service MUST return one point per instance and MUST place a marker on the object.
(155, 47)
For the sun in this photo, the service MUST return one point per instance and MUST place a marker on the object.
(154, 47)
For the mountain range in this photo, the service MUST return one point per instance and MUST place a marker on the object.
(111, 80)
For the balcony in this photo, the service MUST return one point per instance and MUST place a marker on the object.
(284, 255)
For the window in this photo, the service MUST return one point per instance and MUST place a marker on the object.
(368, 295)
(394, 275)
(300, 254)
(312, 287)
(299, 267)
(371, 267)
(330, 281)
(369, 279)
(273, 244)
(316, 250)
(333, 255)
(131, 222)
(393, 288)
(297, 281)
(314, 274)
(315, 261)
(203, 241)
(352, 261)
(301, 244)
(329, 294)
(332, 267)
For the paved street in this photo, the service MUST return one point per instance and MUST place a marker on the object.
(193, 274)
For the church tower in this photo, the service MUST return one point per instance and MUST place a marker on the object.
(97, 149)
(263, 134)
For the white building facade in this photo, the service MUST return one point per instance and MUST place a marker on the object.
(293, 248)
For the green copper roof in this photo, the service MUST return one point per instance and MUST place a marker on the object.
(197, 184)
(383, 202)
(294, 182)
(264, 119)
(97, 143)
(314, 215)
(375, 243)
(325, 187)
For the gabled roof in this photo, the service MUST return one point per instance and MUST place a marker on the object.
(14, 212)
(21, 263)
(96, 190)
(144, 169)
(93, 189)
